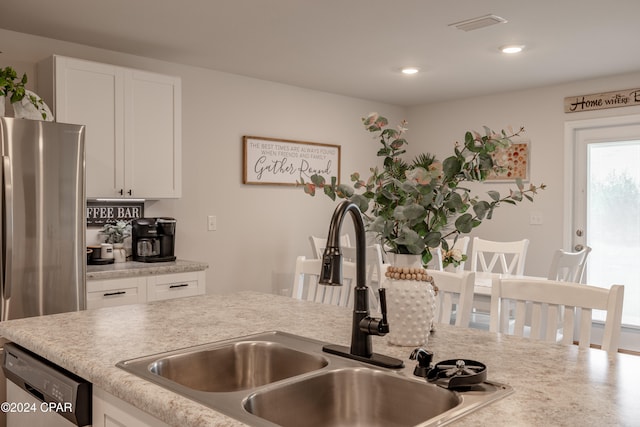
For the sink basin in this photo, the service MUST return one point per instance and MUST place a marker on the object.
(237, 366)
(275, 378)
(352, 397)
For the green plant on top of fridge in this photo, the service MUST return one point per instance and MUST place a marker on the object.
(13, 87)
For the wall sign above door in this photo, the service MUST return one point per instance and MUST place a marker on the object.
(600, 101)
(284, 162)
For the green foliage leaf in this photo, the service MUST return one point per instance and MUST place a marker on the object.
(318, 180)
(329, 191)
(451, 166)
(454, 203)
(481, 209)
(344, 191)
(432, 239)
(361, 201)
(464, 223)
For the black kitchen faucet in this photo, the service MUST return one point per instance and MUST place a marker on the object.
(363, 325)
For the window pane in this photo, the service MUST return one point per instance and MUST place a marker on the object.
(613, 221)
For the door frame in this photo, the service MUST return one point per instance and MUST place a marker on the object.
(630, 334)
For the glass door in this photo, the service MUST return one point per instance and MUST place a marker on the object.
(606, 207)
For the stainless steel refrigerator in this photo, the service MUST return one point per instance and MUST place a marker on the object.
(43, 212)
(43, 265)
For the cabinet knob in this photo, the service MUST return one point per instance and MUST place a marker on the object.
(130, 192)
(121, 192)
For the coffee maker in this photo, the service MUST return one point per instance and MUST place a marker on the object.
(153, 239)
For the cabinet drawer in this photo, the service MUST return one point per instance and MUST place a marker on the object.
(109, 293)
(168, 286)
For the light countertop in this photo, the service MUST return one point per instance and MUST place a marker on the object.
(134, 268)
(554, 385)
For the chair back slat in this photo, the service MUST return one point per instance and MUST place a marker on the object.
(568, 324)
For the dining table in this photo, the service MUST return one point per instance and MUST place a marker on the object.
(484, 279)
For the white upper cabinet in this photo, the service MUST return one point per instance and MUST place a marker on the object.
(133, 125)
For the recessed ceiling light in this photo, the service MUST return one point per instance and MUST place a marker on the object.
(512, 48)
(410, 70)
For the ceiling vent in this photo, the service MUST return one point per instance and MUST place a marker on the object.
(477, 23)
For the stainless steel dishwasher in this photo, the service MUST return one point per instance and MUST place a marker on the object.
(42, 394)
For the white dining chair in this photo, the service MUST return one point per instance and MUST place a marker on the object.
(499, 257)
(454, 289)
(568, 266)
(319, 243)
(493, 257)
(572, 299)
(306, 286)
(375, 269)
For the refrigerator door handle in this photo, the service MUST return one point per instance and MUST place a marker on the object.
(7, 230)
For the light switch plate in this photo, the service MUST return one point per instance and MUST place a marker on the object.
(535, 218)
(212, 223)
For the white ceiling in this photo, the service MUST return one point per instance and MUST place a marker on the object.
(356, 47)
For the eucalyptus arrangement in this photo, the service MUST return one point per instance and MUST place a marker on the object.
(116, 233)
(414, 206)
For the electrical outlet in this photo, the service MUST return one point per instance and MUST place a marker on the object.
(535, 218)
(212, 223)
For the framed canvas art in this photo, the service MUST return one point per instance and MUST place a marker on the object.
(513, 162)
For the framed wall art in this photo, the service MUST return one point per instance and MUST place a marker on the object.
(284, 162)
(514, 161)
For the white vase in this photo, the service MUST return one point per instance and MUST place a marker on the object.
(2, 106)
(411, 305)
(119, 253)
(26, 110)
(450, 268)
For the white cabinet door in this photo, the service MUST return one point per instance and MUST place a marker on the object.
(153, 135)
(169, 286)
(91, 94)
(114, 292)
(133, 125)
(109, 411)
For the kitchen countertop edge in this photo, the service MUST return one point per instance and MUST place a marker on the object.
(136, 269)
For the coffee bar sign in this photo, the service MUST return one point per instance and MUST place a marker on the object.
(100, 213)
(285, 162)
(600, 101)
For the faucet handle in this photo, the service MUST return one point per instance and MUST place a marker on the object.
(383, 309)
(373, 326)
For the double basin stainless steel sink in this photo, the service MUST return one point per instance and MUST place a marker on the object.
(275, 378)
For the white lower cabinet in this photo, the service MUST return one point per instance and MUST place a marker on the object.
(169, 286)
(112, 292)
(134, 290)
(109, 411)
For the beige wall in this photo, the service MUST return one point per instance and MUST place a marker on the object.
(261, 229)
(541, 111)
